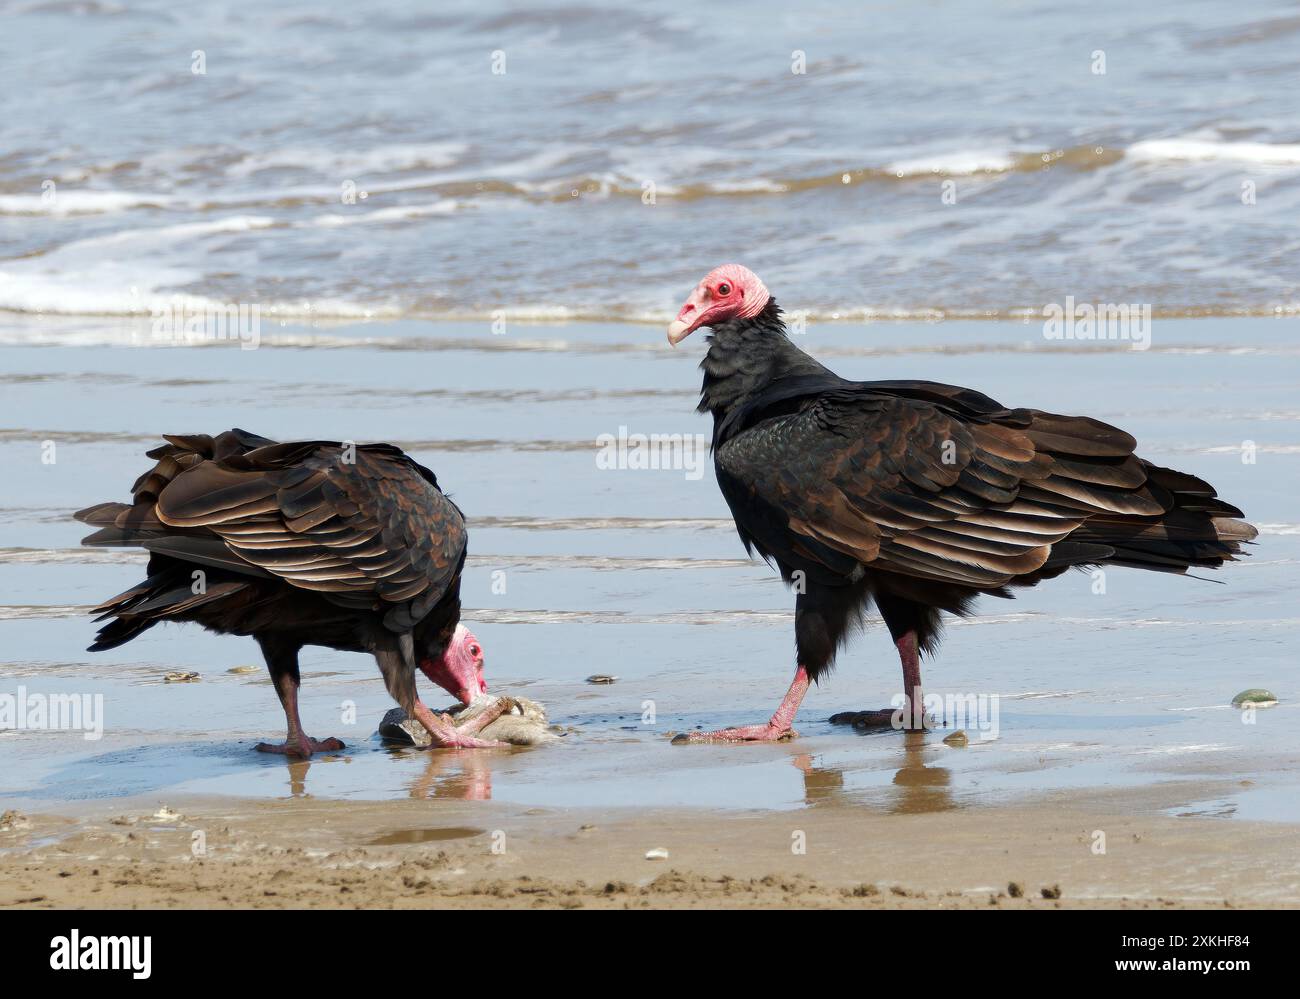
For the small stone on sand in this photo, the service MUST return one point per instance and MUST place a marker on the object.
(244, 669)
(957, 739)
(658, 853)
(180, 677)
(602, 678)
(12, 821)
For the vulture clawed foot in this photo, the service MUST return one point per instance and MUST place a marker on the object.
(882, 718)
(458, 738)
(303, 746)
(446, 734)
(746, 733)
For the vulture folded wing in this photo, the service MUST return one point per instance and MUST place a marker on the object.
(918, 487)
(365, 527)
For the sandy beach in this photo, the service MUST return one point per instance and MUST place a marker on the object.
(410, 854)
(1113, 712)
(465, 232)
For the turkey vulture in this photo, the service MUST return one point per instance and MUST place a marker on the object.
(311, 543)
(916, 496)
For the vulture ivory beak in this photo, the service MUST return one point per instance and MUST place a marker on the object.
(691, 316)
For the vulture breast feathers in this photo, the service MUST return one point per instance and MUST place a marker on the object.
(930, 481)
(363, 526)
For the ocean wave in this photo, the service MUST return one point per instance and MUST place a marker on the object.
(958, 164)
(70, 556)
(527, 177)
(131, 273)
(397, 213)
(393, 158)
(62, 203)
(192, 257)
(529, 563)
(97, 275)
(628, 181)
(295, 325)
(1205, 150)
(512, 177)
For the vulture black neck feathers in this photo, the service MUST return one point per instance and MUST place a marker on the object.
(751, 364)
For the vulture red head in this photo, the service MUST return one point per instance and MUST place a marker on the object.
(460, 670)
(727, 292)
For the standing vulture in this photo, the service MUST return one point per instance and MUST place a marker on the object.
(313, 543)
(916, 496)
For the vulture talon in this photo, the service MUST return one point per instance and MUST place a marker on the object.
(879, 718)
(745, 733)
(778, 728)
(446, 734)
(457, 738)
(303, 747)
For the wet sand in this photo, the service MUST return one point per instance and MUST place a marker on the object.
(498, 307)
(1113, 706)
(309, 853)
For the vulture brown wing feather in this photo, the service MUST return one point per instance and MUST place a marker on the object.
(905, 485)
(371, 527)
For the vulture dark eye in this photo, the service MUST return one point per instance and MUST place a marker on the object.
(724, 289)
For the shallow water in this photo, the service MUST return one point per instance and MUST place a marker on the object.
(987, 170)
(638, 573)
(368, 161)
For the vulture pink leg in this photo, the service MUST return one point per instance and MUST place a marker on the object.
(485, 718)
(295, 743)
(911, 658)
(913, 709)
(777, 728)
(446, 735)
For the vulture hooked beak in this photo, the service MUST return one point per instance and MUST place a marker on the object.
(460, 669)
(692, 315)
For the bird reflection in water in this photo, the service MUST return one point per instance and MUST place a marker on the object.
(459, 774)
(297, 768)
(920, 788)
(916, 787)
(455, 774)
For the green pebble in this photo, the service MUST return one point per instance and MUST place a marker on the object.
(1256, 697)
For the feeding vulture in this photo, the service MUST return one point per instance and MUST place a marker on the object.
(916, 496)
(353, 547)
